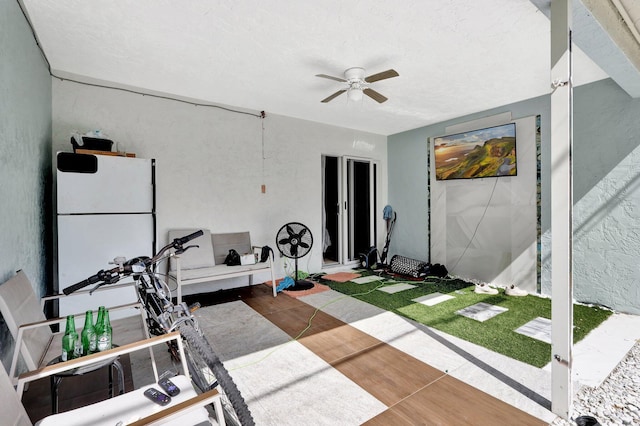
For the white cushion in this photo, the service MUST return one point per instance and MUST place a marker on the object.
(130, 407)
(197, 257)
(220, 271)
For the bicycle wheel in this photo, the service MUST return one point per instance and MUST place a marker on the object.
(207, 372)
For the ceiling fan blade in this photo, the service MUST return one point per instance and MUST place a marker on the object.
(381, 76)
(331, 77)
(374, 95)
(338, 93)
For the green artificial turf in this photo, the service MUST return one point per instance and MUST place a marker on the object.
(497, 333)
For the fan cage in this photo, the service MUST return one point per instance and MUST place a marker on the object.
(294, 240)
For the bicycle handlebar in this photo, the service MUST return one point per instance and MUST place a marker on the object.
(187, 238)
(113, 275)
(102, 275)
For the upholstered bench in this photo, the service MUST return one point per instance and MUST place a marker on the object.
(206, 262)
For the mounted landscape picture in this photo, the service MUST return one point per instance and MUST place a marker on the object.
(479, 153)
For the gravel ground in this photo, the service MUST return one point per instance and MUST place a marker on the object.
(616, 401)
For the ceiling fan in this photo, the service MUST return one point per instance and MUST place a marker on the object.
(357, 84)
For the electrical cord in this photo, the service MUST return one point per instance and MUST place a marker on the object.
(486, 207)
(261, 115)
(446, 372)
(315, 312)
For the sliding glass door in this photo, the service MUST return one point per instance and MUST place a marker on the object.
(349, 202)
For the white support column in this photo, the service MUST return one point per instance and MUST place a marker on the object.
(561, 209)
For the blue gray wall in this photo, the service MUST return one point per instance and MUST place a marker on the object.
(25, 155)
(407, 159)
(606, 192)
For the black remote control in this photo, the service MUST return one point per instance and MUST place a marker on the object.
(156, 396)
(169, 387)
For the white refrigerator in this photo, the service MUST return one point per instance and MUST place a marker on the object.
(105, 209)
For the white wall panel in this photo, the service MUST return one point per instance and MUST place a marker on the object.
(485, 229)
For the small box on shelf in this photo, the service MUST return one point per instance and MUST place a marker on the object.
(112, 153)
(248, 259)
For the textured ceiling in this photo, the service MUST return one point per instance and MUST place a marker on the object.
(454, 57)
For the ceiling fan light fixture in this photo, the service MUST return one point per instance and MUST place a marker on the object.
(354, 94)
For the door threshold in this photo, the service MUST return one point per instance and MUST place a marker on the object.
(337, 267)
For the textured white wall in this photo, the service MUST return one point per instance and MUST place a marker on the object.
(211, 163)
(25, 134)
(25, 145)
(607, 239)
(606, 244)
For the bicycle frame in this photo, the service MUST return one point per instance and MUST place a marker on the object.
(163, 316)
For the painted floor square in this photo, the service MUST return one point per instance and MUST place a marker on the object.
(395, 288)
(538, 328)
(368, 279)
(433, 299)
(481, 311)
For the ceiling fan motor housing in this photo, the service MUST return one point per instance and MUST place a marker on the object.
(355, 74)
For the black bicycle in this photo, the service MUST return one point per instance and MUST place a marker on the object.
(163, 316)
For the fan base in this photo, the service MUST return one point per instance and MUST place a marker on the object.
(300, 285)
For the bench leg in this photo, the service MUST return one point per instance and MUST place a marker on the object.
(273, 278)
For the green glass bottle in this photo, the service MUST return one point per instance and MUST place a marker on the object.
(99, 316)
(88, 335)
(69, 339)
(98, 324)
(104, 333)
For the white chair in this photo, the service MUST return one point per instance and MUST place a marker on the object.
(13, 412)
(34, 341)
(186, 408)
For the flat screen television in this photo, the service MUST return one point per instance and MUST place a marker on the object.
(481, 153)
